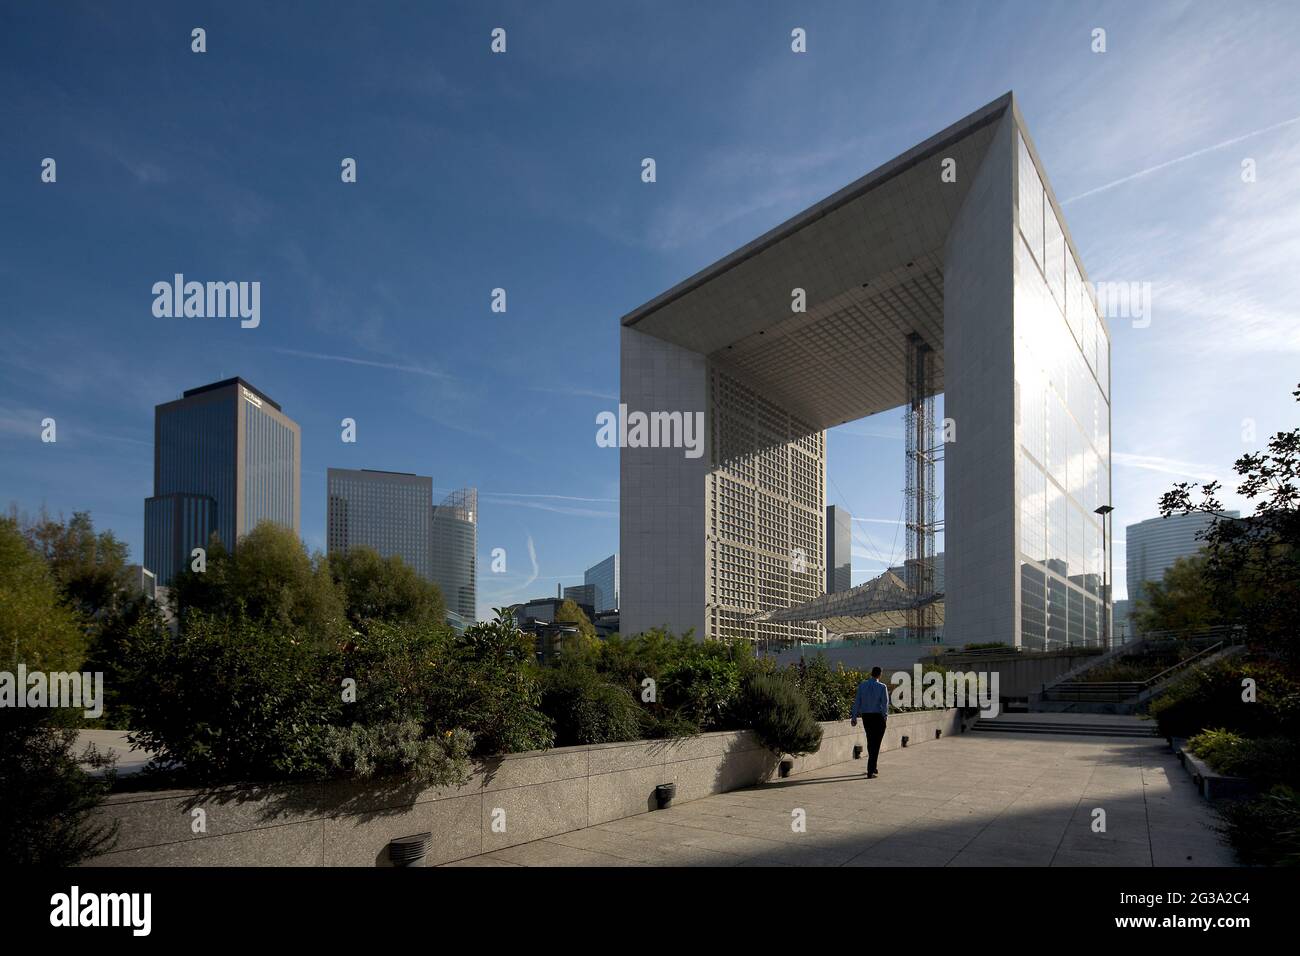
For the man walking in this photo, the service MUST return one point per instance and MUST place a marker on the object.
(872, 704)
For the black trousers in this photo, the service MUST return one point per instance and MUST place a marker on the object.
(874, 725)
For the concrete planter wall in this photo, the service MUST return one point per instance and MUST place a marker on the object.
(535, 795)
(1211, 784)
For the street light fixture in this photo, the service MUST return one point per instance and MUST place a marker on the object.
(1104, 511)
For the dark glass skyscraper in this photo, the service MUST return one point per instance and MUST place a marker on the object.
(603, 577)
(839, 549)
(225, 458)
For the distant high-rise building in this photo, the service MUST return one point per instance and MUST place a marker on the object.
(1151, 547)
(225, 458)
(389, 511)
(1123, 611)
(939, 581)
(581, 594)
(604, 578)
(839, 549)
(455, 549)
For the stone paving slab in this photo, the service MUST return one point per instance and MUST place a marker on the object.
(971, 800)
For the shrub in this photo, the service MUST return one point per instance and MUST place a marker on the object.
(586, 709)
(669, 725)
(1266, 831)
(47, 801)
(229, 699)
(1211, 696)
(399, 747)
(778, 713)
(1267, 759)
(702, 690)
(487, 686)
(829, 692)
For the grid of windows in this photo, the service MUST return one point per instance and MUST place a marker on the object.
(174, 526)
(194, 453)
(270, 480)
(455, 548)
(766, 517)
(1063, 418)
(604, 578)
(386, 511)
(245, 474)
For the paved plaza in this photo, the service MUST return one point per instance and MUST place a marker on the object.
(970, 800)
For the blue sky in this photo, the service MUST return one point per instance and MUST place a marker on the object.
(523, 171)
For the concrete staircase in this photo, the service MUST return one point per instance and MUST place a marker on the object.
(1071, 725)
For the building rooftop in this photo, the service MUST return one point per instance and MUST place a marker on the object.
(230, 382)
(870, 259)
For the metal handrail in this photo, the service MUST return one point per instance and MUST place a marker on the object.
(1133, 687)
(1181, 664)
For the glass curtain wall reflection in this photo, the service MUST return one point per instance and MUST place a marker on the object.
(1062, 357)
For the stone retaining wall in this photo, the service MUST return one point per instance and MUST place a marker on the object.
(537, 794)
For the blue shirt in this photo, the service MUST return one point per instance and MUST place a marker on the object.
(872, 698)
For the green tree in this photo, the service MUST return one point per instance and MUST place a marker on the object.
(385, 589)
(47, 802)
(569, 613)
(488, 686)
(37, 627)
(229, 698)
(274, 580)
(1182, 601)
(1252, 565)
(89, 566)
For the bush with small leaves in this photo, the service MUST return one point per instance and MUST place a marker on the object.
(778, 713)
(1265, 831)
(399, 747)
(586, 709)
(47, 801)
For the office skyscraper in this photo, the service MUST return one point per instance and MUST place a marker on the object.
(1151, 547)
(389, 511)
(969, 286)
(581, 594)
(225, 459)
(454, 551)
(839, 549)
(604, 578)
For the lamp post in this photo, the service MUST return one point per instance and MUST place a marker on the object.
(1105, 511)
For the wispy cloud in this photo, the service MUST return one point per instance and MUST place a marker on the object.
(370, 363)
(556, 509)
(575, 391)
(513, 494)
(1166, 466)
(1180, 159)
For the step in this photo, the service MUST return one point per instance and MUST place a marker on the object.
(1081, 727)
(1060, 731)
